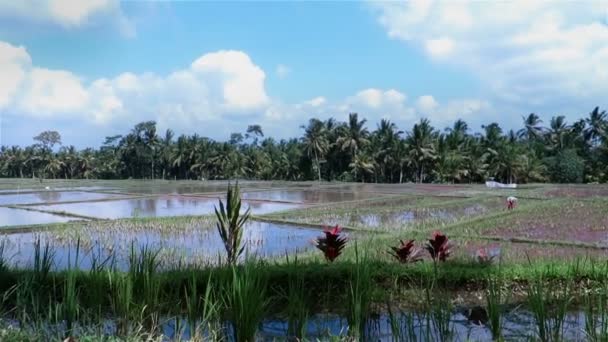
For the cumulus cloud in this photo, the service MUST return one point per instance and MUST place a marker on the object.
(13, 61)
(523, 52)
(215, 95)
(215, 85)
(68, 13)
(241, 80)
(426, 104)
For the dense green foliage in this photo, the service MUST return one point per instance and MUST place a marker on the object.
(331, 150)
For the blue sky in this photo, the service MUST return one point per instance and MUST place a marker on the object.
(92, 69)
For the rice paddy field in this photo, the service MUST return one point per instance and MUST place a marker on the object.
(143, 260)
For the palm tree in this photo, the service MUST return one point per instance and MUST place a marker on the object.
(165, 151)
(422, 148)
(597, 125)
(353, 136)
(532, 129)
(315, 142)
(384, 143)
(557, 133)
(363, 165)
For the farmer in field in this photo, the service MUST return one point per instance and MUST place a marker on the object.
(511, 202)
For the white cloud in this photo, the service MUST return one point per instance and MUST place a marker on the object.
(525, 53)
(68, 13)
(241, 80)
(215, 85)
(426, 103)
(218, 93)
(377, 98)
(51, 91)
(439, 48)
(282, 71)
(316, 102)
(13, 60)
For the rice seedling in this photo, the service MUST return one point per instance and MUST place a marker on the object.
(494, 302)
(230, 223)
(297, 305)
(146, 284)
(549, 304)
(43, 261)
(70, 305)
(360, 294)
(203, 310)
(121, 299)
(246, 300)
(596, 315)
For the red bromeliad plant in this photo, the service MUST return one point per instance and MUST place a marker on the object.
(438, 247)
(332, 243)
(406, 252)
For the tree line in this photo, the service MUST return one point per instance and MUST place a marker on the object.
(556, 151)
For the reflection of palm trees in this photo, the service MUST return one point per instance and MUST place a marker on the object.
(49, 196)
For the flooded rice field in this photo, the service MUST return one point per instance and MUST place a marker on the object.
(53, 197)
(21, 217)
(309, 196)
(156, 207)
(195, 242)
(459, 324)
(390, 215)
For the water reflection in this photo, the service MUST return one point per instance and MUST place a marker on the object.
(310, 196)
(157, 207)
(52, 196)
(21, 217)
(189, 245)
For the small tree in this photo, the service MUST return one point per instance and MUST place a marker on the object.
(48, 139)
(230, 223)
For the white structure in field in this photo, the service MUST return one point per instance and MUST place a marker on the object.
(493, 184)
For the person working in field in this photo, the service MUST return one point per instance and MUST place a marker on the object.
(511, 202)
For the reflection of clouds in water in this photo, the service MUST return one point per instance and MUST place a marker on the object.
(195, 243)
(157, 207)
(14, 217)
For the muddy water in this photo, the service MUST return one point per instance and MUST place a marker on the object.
(19, 217)
(157, 207)
(52, 196)
(190, 246)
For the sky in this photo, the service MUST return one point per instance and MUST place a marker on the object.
(91, 69)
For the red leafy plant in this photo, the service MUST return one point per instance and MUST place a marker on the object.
(332, 243)
(406, 252)
(486, 256)
(438, 247)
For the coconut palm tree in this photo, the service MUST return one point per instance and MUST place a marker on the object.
(421, 147)
(353, 136)
(532, 129)
(315, 142)
(597, 126)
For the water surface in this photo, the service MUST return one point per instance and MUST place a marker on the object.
(21, 217)
(52, 196)
(157, 207)
(190, 246)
